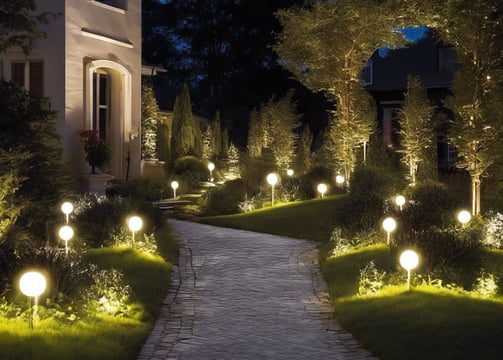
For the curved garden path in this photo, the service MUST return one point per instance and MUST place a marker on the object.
(242, 295)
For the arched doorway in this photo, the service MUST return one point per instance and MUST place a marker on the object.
(108, 108)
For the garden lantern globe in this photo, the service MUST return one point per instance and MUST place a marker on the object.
(272, 179)
(322, 189)
(134, 223)
(65, 233)
(400, 201)
(389, 225)
(464, 217)
(339, 179)
(289, 172)
(67, 209)
(174, 186)
(409, 261)
(32, 284)
(211, 167)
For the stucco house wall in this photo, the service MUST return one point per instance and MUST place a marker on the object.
(87, 38)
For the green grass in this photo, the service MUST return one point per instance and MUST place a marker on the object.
(312, 219)
(424, 323)
(99, 337)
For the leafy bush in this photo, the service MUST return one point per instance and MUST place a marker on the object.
(225, 199)
(494, 231)
(486, 284)
(371, 280)
(96, 218)
(192, 168)
(310, 180)
(140, 188)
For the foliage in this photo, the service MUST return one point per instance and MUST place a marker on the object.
(303, 158)
(149, 121)
(474, 29)
(371, 279)
(29, 134)
(418, 139)
(310, 180)
(163, 140)
(494, 231)
(186, 136)
(225, 199)
(326, 46)
(256, 134)
(340, 245)
(20, 24)
(231, 164)
(145, 188)
(191, 167)
(98, 151)
(486, 284)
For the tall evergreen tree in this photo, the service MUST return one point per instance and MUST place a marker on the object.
(217, 136)
(255, 135)
(183, 133)
(303, 157)
(417, 136)
(149, 120)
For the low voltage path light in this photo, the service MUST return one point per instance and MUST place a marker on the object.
(339, 179)
(409, 261)
(464, 217)
(134, 223)
(322, 189)
(272, 180)
(32, 284)
(400, 201)
(65, 233)
(289, 172)
(389, 225)
(67, 209)
(174, 186)
(211, 167)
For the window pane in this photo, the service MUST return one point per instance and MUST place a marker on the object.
(103, 123)
(37, 78)
(103, 89)
(17, 73)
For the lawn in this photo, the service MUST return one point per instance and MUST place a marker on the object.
(311, 219)
(99, 336)
(425, 323)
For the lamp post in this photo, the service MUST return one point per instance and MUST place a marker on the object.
(272, 179)
(322, 189)
(134, 223)
(211, 167)
(339, 179)
(67, 209)
(409, 261)
(32, 284)
(400, 201)
(389, 225)
(174, 186)
(66, 233)
(464, 217)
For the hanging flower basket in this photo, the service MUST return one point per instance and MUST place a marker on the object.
(98, 151)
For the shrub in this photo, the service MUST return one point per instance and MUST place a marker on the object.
(140, 188)
(225, 199)
(494, 231)
(486, 284)
(371, 280)
(308, 182)
(191, 168)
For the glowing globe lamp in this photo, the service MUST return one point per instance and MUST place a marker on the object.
(322, 189)
(464, 217)
(400, 201)
(211, 167)
(272, 179)
(174, 186)
(32, 284)
(339, 179)
(66, 233)
(134, 223)
(409, 261)
(389, 225)
(67, 209)
(289, 172)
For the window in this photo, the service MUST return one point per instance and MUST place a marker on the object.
(101, 100)
(367, 74)
(446, 61)
(29, 74)
(119, 4)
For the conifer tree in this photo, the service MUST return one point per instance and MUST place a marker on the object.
(231, 163)
(417, 136)
(255, 135)
(183, 132)
(217, 136)
(149, 120)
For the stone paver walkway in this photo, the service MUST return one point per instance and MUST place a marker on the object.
(240, 295)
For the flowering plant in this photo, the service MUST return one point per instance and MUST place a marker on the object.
(98, 151)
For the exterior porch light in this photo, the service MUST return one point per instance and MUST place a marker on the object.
(409, 261)
(389, 225)
(174, 186)
(272, 179)
(322, 189)
(134, 223)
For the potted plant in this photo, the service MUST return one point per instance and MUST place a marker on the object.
(98, 151)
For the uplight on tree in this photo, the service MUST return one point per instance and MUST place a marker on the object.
(66, 233)
(389, 225)
(322, 189)
(174, 186)
(400, 201)
(272, 179)
(409, 261)
(67, 209)
(134, 223)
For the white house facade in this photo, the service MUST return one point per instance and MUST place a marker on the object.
(89, 65)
